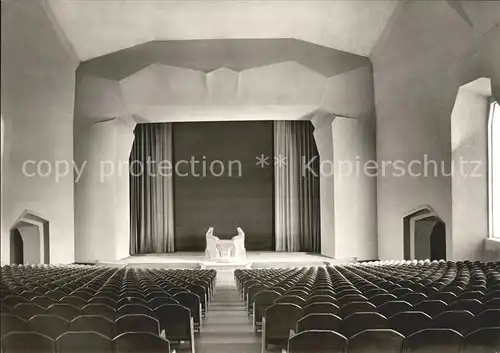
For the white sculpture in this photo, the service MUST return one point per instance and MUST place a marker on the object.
(213, 249)
(239, 251)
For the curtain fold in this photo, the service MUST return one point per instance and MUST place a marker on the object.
(297, 207)
(151, 190)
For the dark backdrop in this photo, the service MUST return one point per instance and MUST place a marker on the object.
(202, 200)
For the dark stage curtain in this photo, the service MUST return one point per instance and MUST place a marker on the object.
(296, 185)
(151, 190)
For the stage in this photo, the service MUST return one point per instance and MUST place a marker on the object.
(254, 259)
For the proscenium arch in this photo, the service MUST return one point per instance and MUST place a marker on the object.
(150, 83)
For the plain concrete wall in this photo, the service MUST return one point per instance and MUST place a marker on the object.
(425, 54)
(38, 84)
(469, 125)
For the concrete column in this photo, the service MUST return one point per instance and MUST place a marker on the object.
(102, 190)
(323, 135)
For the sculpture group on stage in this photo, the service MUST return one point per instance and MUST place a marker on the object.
(225, 250)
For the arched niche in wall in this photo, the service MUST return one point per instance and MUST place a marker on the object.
(424, 234)
(30, 239)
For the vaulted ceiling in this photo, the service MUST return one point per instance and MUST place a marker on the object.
(96, 28)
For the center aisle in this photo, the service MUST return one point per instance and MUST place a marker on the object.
(227, 327)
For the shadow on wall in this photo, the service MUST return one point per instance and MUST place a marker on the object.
(424, 235)
(30, 240)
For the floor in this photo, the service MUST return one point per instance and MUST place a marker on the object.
(227, 327)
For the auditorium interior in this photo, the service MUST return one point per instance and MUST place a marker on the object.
(254, 176)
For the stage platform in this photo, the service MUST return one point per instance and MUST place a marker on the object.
(266, 259)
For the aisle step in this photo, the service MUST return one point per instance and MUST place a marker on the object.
(227, 328)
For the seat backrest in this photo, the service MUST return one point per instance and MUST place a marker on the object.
(158, 301)
(319, 321)
(488, 318)
(27, 342)
(298, 292)
(376, 341)
(12, 323)
(346, 299)
(49, 325)
(380, 299)
(82, 294)
(99, 309)
(447, 297)
(461, 321)
(280, 319)
(83, 342)
(320, 307)
(135, 309)
(492, 295)
(433, 341)
(137, 323)
(111, 294)
(175, 320)
(133, 342)
(393, 307)
(431, 307)
(472, 305)
(131, 300)
(409, 322)
(190, 301)
(66, 311)
(43, 301)
(28, 310)
(321, 298)
(317, 341)
(75, 301)
(472, 295)
(104, 300)
(94, 323)
(484, 340)
(414, 298)
(357, 307)
(291, 299)
(13, 300)
(263, 300)
(358, 322)
(55, 295)
(492, 304)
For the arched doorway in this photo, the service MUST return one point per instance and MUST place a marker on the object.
(424, 235)
(438, 241)
(29, 240)
(16, 247)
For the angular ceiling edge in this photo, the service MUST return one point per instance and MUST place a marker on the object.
(458, 6)
(233, 54)
(60, 32)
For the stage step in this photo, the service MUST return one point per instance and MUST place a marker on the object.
(224, 266)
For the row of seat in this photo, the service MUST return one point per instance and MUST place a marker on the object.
(84, 342)
(406, 297)
(485, 340)
(52, 300)
(53, 326)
